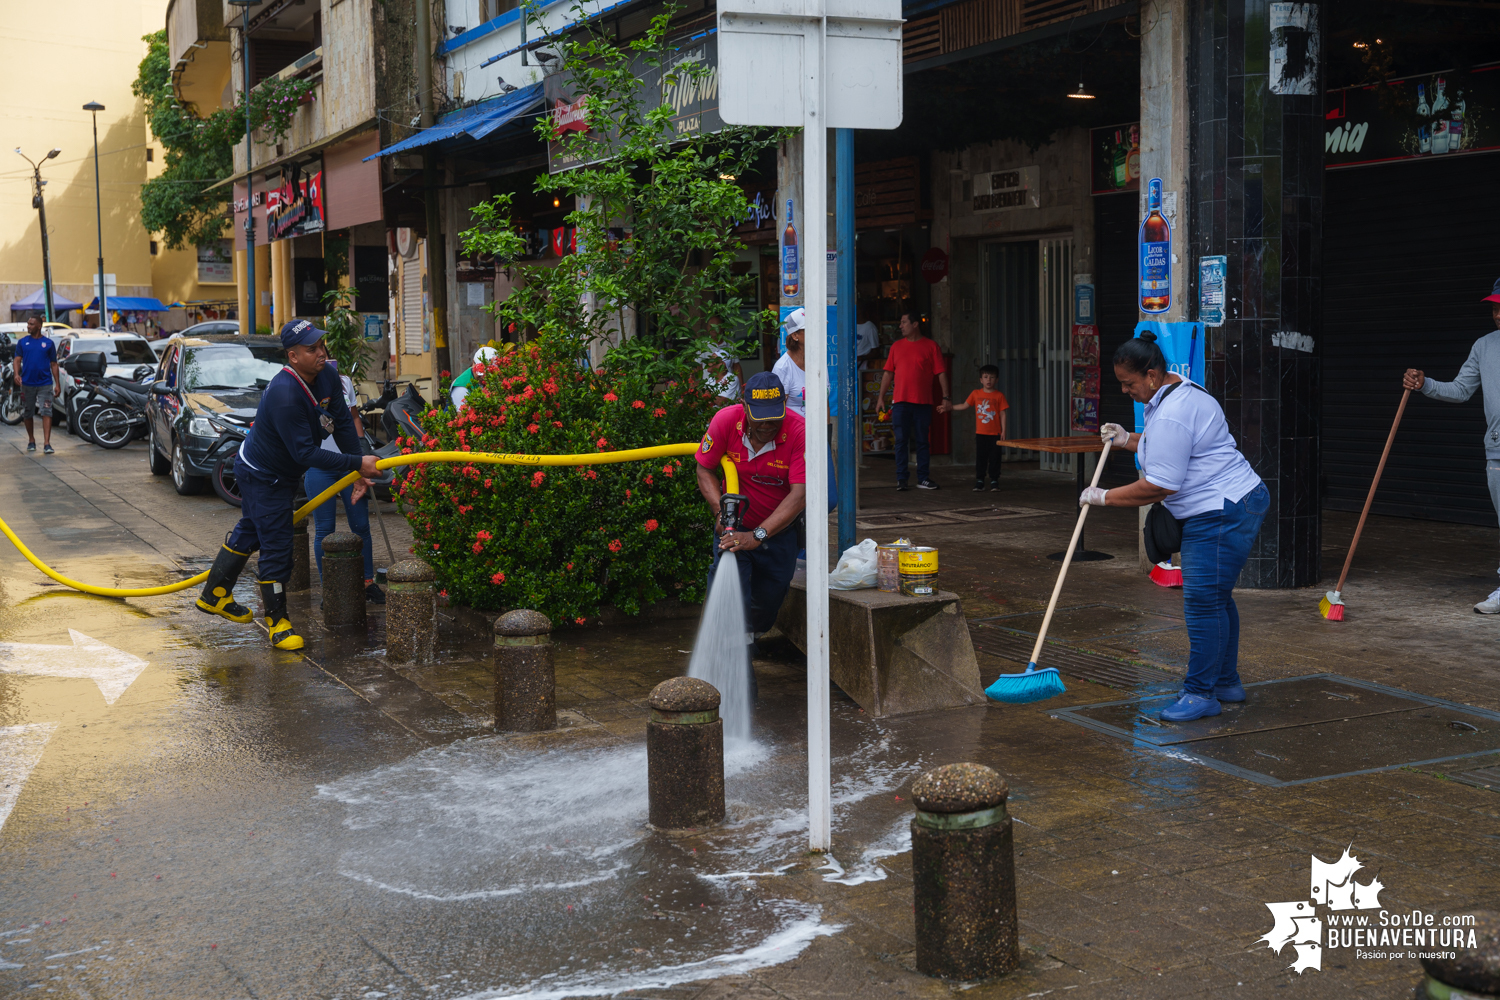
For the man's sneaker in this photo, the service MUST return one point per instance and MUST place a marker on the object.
(1190, 707)
(47, 450)
(978, 487)
(901, 486)
(995, 486)
(927, 484)
(31, 446)
(1490, 605)
(373, 594)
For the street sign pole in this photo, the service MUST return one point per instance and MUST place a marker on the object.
(818, 64)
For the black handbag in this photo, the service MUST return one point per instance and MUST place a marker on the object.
(1163, 532)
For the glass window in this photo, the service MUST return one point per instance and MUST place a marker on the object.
(230, 366)
(169, 367)
(116, 352)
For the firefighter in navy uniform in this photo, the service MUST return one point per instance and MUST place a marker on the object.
(302, 405)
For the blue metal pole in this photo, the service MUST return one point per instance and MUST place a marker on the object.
(847, 433)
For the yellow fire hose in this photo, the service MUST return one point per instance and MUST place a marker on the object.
(731, 484)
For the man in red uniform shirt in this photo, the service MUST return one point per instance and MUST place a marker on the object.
(914, 360)
(765, 441)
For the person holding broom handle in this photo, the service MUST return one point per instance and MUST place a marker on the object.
(1480, 370)
(1191, 466)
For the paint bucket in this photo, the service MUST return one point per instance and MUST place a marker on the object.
(919, 571)
(888, 566)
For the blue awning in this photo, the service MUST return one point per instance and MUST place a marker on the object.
(130, 303)
(477, 122)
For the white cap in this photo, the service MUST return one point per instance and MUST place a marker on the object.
(796, 320)
(484, 354)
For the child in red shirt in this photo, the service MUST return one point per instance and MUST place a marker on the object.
(989, 426)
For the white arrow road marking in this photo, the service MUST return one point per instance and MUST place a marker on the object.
(20, 751)
(112, 669)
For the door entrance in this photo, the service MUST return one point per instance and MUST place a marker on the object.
(1028, 309)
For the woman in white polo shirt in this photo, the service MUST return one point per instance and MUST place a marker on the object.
(1190, 464)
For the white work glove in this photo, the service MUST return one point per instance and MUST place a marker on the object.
(1114, 434)
(1093, 495)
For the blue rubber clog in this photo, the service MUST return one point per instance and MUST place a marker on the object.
(1190, 707)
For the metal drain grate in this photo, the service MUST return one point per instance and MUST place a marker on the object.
(1484, 777)
(1070, 660)
(965, 515)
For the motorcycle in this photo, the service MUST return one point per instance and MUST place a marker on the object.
(232, 432)
(122, 416)
(10, 395)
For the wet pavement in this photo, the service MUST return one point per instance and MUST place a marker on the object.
(187, 813)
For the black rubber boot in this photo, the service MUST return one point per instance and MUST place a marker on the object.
(283, 636)
(218, 591)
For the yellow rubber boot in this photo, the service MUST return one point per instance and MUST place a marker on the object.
(218, 590)
(283, 636)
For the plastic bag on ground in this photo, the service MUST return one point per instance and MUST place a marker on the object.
(856, 568)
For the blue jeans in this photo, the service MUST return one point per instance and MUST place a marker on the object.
(1215, 547)
(912, 422)
(765, 576)
(357, 514)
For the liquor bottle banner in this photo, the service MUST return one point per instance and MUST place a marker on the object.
(1182, 346)
(790, 270)
(1156, 254)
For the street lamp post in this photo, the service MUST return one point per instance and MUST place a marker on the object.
(94, 107)
(245, 6)
(41, 208)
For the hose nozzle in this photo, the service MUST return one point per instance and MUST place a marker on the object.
(732, 511)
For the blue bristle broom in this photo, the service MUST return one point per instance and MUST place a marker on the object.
(1040, 683)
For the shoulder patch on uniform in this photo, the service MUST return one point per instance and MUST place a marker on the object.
(708, 444)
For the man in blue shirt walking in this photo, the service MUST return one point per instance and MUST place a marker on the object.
(36, 357)
(302, 405)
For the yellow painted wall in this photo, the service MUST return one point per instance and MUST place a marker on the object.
(59, 56)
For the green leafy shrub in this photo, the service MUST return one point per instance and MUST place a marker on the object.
(564, 540)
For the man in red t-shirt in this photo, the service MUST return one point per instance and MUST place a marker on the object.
(765, 440)
(913, 360)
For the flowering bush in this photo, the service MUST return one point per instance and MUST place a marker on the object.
(564, 540)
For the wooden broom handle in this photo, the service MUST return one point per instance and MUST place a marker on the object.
(1390, 439)
(1062, 573)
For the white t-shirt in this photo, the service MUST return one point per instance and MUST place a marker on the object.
(867, 338)
(351, 400)
(1187, 447)
(794, 381)
(729, 385)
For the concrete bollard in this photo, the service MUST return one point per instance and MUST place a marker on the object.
(525, 684)
(410, 612)
(301, 558)
(1472, 972)
(963, 874)
(343, 580)
(685, 755)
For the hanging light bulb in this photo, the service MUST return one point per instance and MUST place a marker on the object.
(1081, 93)
(556, 202)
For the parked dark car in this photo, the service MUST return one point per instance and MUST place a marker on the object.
(203, 385)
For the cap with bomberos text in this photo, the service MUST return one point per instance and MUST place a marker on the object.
(765, 396)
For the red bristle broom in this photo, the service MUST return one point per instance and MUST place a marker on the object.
(1332, 604)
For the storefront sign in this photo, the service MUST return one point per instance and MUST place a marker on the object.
(935, 265)
(1212, 272)
(216, 263)
(1007, 190)
(1430, 115)
(295, 207)
(759, 226)
(1115, 158)
(688, 83)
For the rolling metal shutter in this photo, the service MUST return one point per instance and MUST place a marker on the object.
(1409, 249)
(411, 305)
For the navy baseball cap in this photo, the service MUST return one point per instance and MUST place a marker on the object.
(1494, 296)
(300, 332)
(765, 396)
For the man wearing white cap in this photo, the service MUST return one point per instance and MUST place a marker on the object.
(790, 367)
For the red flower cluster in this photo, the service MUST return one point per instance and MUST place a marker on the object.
(615, 545)
(638, 405)
(651, 524)
(497, 579)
